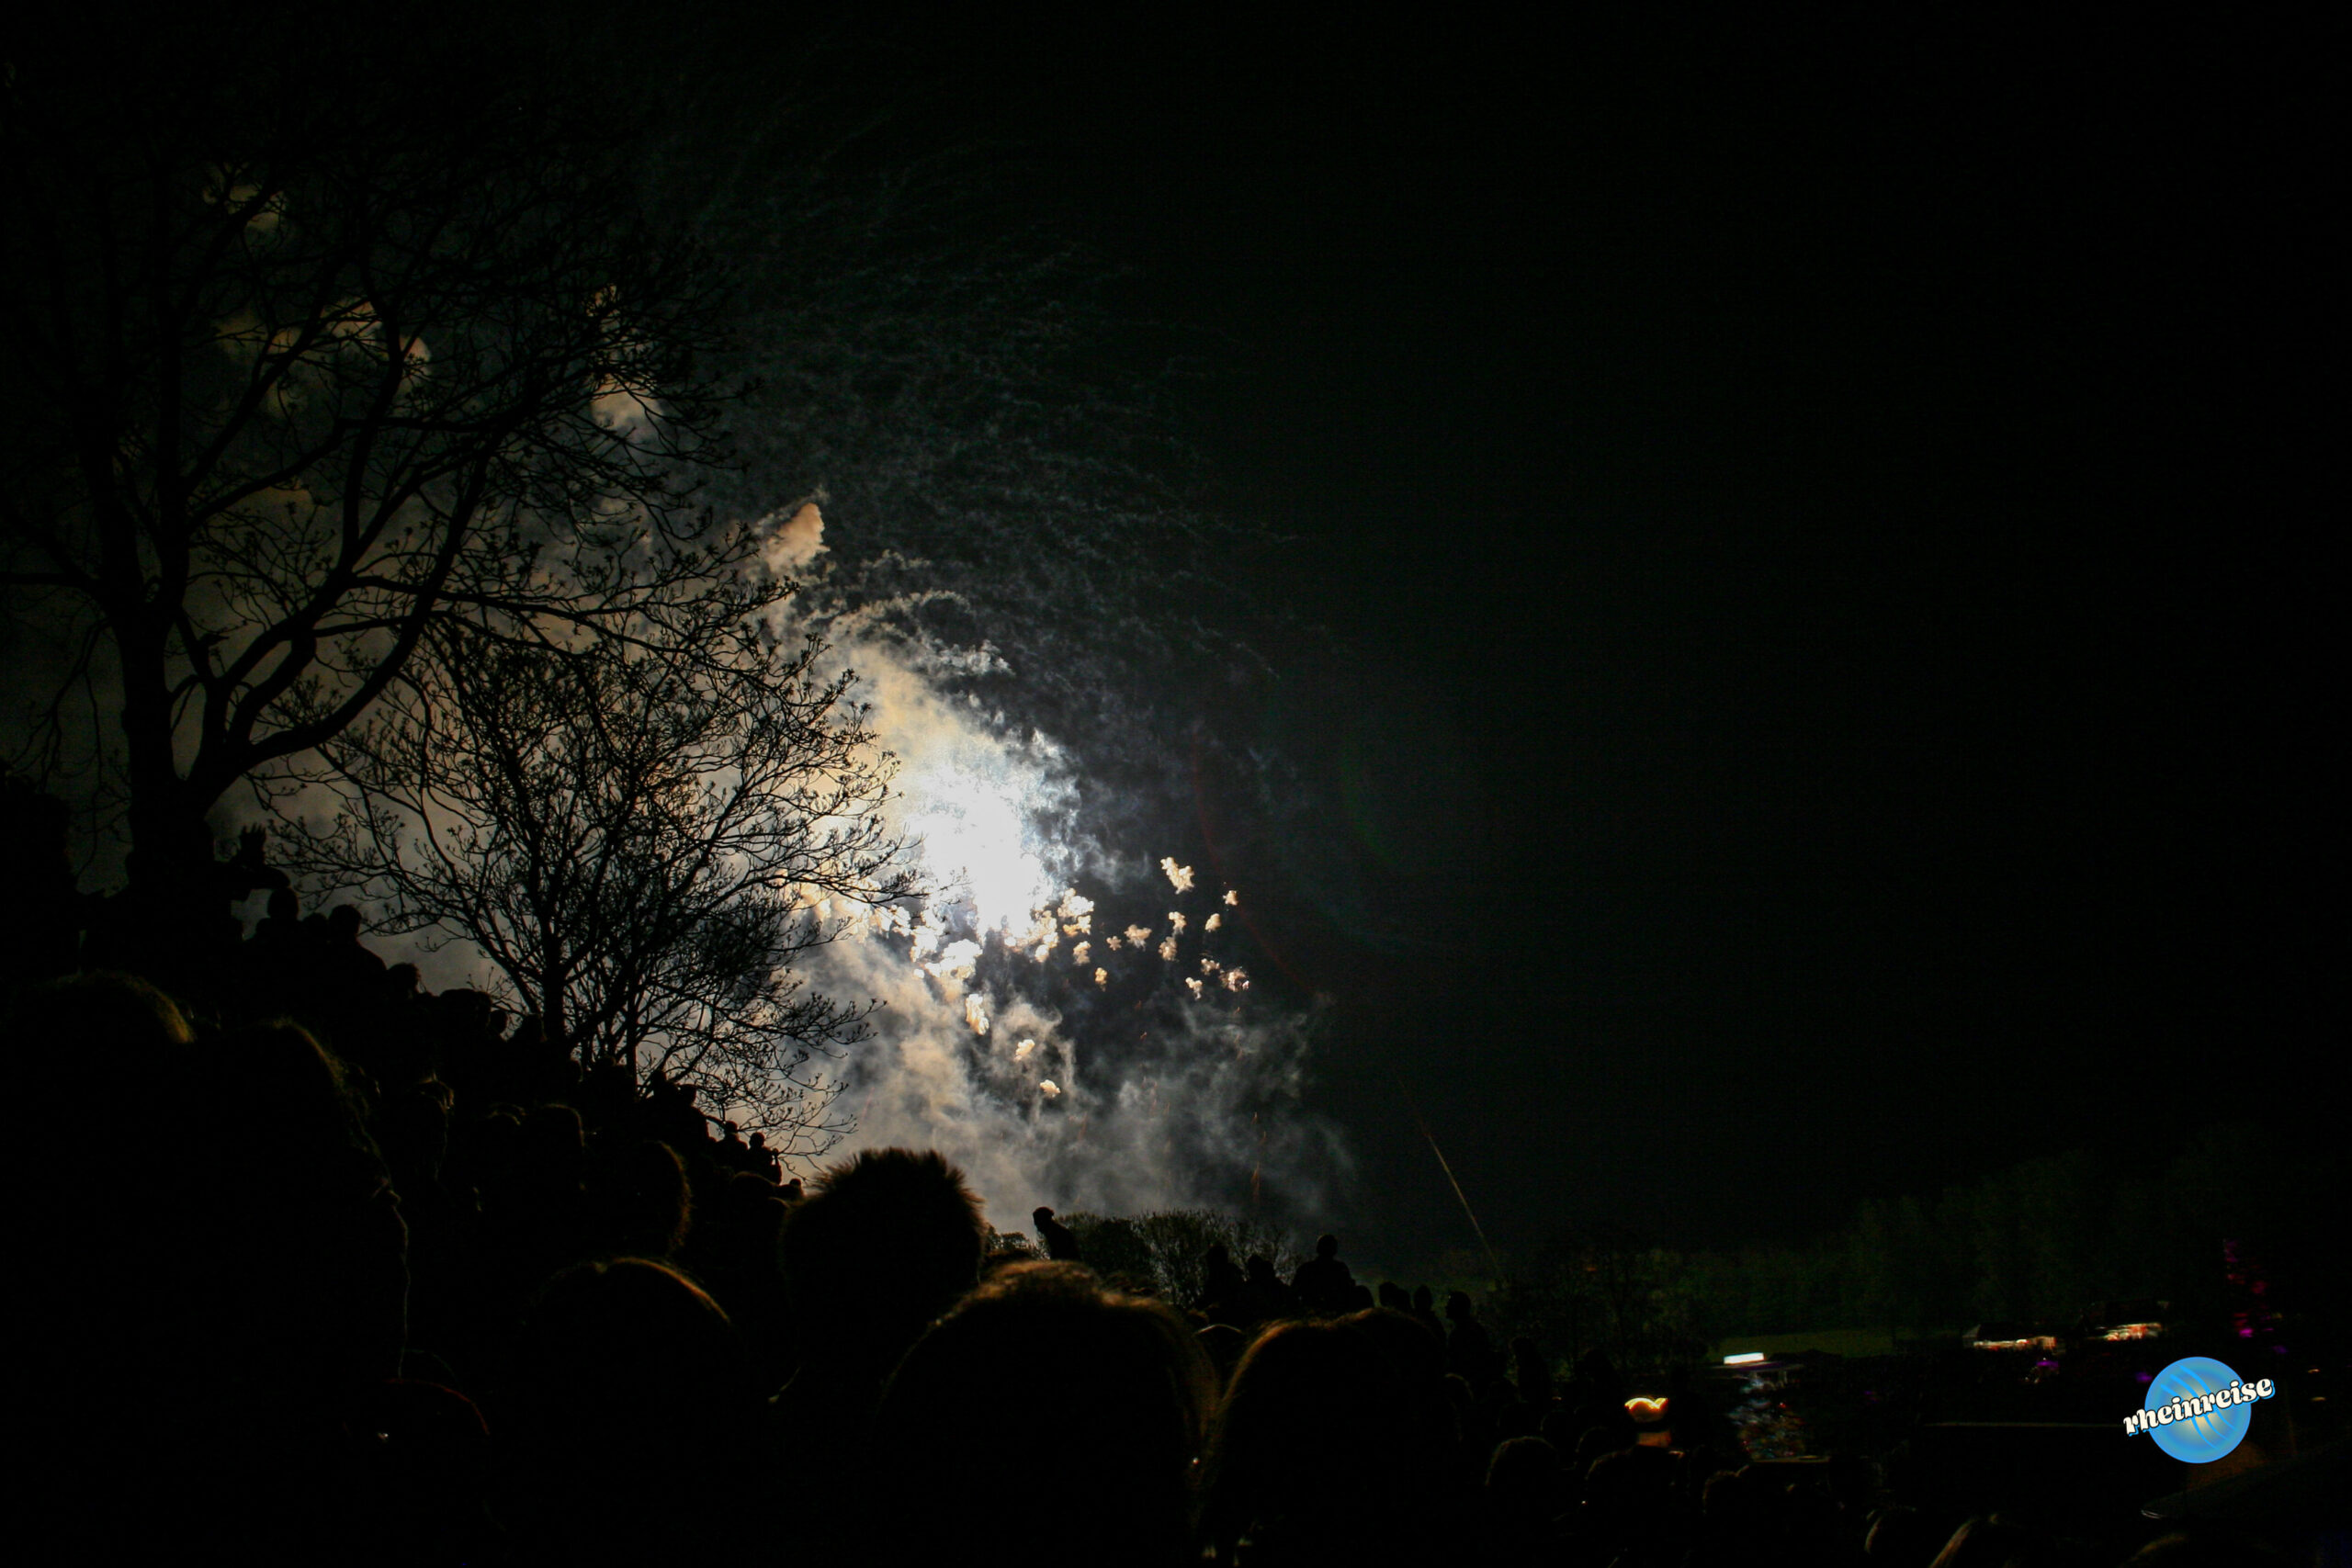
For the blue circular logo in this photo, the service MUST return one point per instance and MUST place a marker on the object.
(2198, 1437)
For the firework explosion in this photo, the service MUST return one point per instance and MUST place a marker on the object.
(1069, 1017)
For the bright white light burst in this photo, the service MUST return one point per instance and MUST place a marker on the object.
(971, 834)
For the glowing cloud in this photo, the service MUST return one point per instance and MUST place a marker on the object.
(1181, 876)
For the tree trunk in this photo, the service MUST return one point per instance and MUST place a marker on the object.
(166, 926)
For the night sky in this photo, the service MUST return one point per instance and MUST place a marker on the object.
(1818, 524)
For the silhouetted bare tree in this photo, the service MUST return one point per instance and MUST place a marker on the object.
(642, 841)
(317, 331)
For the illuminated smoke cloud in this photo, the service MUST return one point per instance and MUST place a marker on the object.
(1132, 1087)
(793, 545)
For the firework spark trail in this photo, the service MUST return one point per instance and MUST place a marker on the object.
(1492, 1261)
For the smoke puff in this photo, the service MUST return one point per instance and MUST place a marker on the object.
(1157, 1098)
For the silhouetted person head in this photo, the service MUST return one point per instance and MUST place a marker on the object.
(88, 1225)
(1900, 1537)
(1319, 1452)
(1612, 1431)
(1327, 1247)
(1044, 1382)
(219, 1324)
(630, 1378)
(554, 1136)
(303, 1265)
(889, 1240)
(632, 1341)
(1522, 1481)
(1628, 1492)
(1406, 1345)
(116, 1021)
(645, 1198)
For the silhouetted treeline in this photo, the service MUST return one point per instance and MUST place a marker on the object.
(2052, 1241)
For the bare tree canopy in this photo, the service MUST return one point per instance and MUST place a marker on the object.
(303, 359)
(643, 843)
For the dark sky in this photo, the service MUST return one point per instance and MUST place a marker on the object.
(1820, 521)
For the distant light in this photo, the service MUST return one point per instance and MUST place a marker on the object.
(1745, 1359)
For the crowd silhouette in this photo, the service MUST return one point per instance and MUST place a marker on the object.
(380, 1276)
